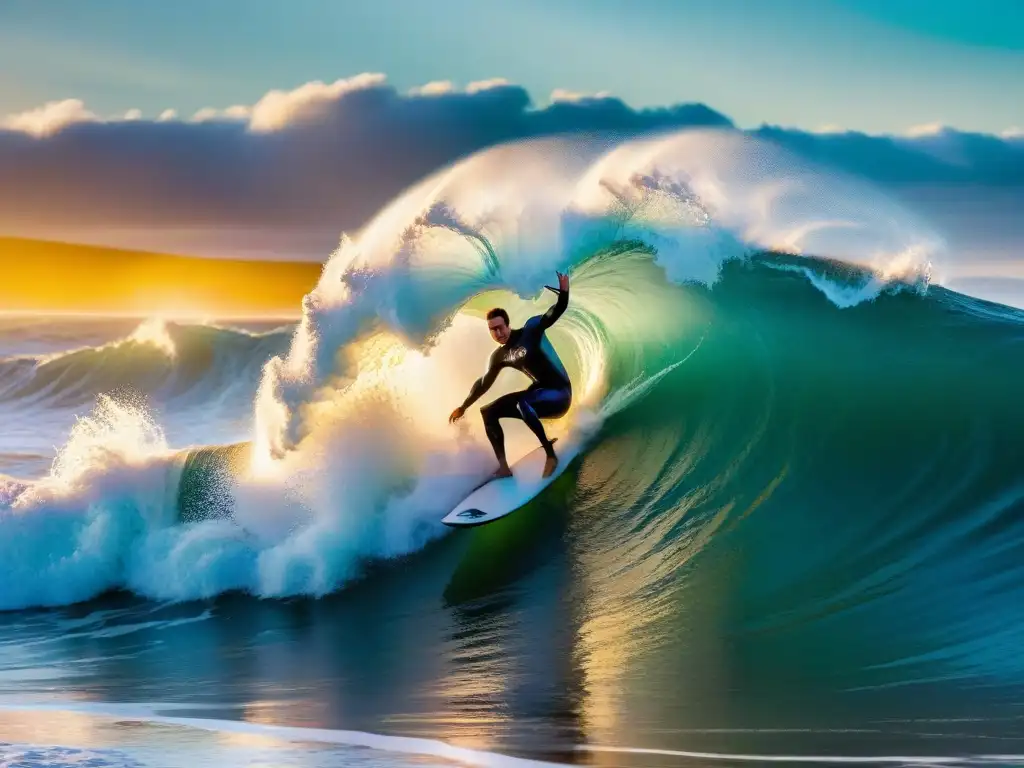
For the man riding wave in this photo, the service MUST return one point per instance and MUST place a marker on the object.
(528, 350)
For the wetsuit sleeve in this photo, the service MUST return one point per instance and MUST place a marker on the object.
(555, 311)
(484, 383)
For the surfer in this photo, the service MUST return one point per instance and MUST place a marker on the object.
(528, 350)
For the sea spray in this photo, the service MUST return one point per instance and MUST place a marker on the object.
(73, 534)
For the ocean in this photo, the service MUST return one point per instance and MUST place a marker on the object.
(794, 536)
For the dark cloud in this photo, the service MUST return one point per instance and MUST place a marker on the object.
(329, 156)
(936, 156)
(313, 158)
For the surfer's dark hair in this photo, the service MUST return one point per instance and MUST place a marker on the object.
(498, 312)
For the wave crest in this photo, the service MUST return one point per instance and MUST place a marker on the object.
(162, 360)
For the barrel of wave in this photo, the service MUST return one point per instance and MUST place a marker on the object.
(625, 322)
(395, 379)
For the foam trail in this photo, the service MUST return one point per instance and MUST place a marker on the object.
(387, 744)
(466, 756)
(863, 288)
(627, 395)
(880, 760)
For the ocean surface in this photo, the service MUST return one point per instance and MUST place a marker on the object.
(795, 534)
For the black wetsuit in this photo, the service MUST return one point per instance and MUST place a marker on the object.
(548, 397)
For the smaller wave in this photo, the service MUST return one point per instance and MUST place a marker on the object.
(160, 359)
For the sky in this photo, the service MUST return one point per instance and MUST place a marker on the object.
(867, 65)
(263, 129)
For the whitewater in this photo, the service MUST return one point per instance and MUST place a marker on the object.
(799, 498)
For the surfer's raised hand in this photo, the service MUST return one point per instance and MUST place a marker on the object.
(563, 281)
(457, 414)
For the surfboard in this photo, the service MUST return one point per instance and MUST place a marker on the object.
(502, 496)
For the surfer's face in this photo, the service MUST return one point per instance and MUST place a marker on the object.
(499, 329)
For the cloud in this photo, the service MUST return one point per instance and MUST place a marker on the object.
(434, 88)
(322, 155)
(925, 129)
(560, 94)
(51, 118)
(327, 156)
(309, 103)
(924, 155)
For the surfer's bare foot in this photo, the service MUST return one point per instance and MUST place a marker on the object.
(503, 471)
(549, 465)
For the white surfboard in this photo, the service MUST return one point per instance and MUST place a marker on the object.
(502, 496)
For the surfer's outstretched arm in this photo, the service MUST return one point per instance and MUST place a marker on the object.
(480, 386)
(555, 311)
